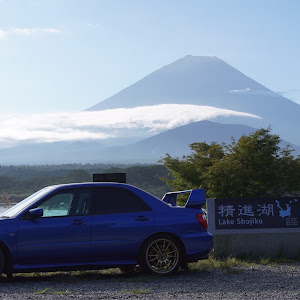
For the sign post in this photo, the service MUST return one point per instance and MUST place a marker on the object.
(257, 226)
(257, 213)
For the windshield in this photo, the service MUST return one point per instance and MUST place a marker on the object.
(16, 209)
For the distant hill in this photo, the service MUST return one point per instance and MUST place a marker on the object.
(210, 81)
(175, 142)
(50, 153)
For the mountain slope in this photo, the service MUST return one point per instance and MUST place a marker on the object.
(187, 80)
(212, 82)
(175, 142)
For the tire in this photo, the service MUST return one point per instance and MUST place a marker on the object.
(161, 255)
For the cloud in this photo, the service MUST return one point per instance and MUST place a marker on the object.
(3, 34)
(240, 91)
(95, 26)
(97, 125)
(27, 31)
(33, 31)
(255, 92)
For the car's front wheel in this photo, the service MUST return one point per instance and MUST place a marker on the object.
(161, 255)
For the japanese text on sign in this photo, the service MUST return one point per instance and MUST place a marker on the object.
(257, 213)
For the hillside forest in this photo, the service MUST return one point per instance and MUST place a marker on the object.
(18, 182)
(253, 166)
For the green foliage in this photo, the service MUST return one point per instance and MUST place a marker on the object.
(41, 292)
(254, 166)
(6, 199)
(229, 264)
(77, 175)
(190, 172)
(18, 182)
(135, 291)
(49, 291)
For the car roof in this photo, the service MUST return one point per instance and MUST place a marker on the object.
(91, 184)
(97, 184)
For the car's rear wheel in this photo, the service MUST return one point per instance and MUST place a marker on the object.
(161, 255)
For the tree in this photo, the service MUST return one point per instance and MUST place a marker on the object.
(77, 175)
(190, 172)
(254, 166)
(6, 199)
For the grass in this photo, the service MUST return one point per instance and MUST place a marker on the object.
(42, 292)
(48, 291)
(68, 276)
(211, 263)
(135, 291)
(232, 265)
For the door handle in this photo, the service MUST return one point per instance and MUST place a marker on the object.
(78, 222)
(141, 219)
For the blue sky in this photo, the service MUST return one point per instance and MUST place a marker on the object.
(67, 55)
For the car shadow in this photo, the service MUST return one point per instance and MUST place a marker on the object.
(77, 276)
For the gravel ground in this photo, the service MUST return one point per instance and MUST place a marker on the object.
(281, 281)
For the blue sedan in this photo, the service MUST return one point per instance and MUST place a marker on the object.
(102, 225)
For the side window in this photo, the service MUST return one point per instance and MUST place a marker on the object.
(57, 205)
(83, 203)
(68, 203)
(110, 200)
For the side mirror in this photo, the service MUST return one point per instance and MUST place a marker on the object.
(35, 213)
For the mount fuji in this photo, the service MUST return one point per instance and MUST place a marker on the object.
(208, 83)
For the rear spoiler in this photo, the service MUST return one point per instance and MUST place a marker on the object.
(195, 200)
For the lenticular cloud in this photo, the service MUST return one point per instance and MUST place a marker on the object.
(17, 128)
